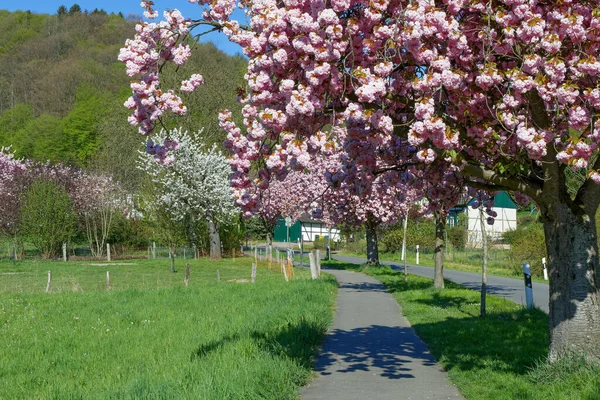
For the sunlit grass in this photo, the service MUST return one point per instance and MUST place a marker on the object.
(151, 337)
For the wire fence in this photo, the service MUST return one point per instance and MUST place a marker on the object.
(9, 252)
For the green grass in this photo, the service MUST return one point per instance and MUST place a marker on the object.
(497, 357)
(152, 338)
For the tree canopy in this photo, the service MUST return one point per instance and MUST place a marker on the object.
(503, 93)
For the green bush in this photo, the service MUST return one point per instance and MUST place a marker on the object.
(319, 243)
(391, 241)
(527, 244)
(47, 217)
(457, 236)
(358, 246)
(527, 220)
(420, 232)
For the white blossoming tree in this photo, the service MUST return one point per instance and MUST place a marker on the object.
(193, 182)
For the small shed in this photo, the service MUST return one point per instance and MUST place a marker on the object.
(307, 228)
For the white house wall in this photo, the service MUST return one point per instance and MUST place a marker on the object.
(311, 230)
(505, 221)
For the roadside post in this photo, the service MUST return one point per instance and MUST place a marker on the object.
(417, 255)
(528, 285)
(545, 270)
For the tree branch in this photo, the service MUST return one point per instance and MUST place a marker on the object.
(517, 183)
(488, 187)
(217, 25)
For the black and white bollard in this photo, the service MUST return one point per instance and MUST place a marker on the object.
(528, 285)
(545, 270)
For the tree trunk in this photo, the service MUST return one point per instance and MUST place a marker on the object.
(572, 247)
(215, 239)
(440, 230)
(372, 248)
(172, 257)
(404, 255)
(482, 308)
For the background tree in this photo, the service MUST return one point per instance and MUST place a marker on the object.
(47, 217)
(192, 183)
(14, 178)
(62, 11)
(75, 9)
(97, 198)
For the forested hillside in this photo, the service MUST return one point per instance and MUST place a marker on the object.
(62, 89)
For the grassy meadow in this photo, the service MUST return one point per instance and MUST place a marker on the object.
(150, 337)
(499, 357)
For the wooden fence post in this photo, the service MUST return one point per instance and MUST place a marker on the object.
(253, 275)
(285, 274)
(64, 249)
(187, 274)
(318, 260)
(49, 285)
(218, 276)
(108, 287)
(313, 265)
(290, 266)
(108, 251)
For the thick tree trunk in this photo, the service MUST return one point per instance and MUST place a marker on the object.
(215, 239)
(404, 255)
(372, 248)
(440, 230)
(574, 318)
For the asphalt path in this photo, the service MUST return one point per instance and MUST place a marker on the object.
(508, 288)
(371, 351)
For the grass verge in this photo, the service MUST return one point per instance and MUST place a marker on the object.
(497, 357)
(211, 340)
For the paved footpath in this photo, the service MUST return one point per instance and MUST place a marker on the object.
(371, 352)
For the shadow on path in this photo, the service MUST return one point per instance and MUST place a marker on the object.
(382, 349)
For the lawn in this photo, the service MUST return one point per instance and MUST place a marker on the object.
(150, 337)
(496, 357)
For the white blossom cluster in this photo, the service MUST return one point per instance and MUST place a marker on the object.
(195, 183)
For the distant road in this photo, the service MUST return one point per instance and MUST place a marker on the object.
(508, 288)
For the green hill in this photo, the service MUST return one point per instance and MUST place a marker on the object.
(62, 88)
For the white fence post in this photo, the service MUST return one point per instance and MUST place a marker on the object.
(417, 255)
(108, 251)
(545, 270)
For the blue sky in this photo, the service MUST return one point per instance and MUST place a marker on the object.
(126, 7)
